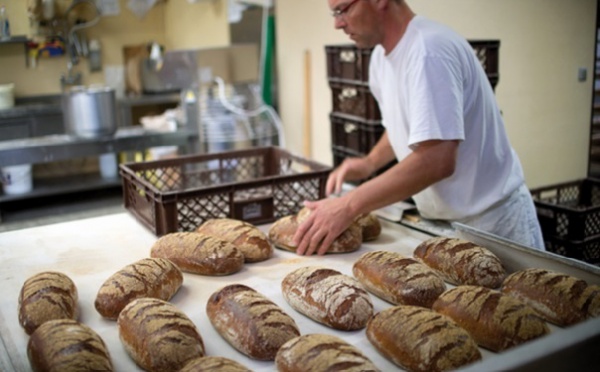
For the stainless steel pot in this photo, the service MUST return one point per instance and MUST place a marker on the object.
(90, 112)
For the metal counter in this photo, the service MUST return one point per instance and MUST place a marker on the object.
(91, 250)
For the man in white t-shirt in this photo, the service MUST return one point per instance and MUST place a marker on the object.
(442, 124)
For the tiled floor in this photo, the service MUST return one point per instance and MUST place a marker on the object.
(49, 210)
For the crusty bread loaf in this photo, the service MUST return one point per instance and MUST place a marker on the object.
(199, 253)
(328, 296)
(461, 262)
(252, 242)
(370, 225)
(67, 345)
(560, 299)
(249, 321)
(214, 364)
(397, 279)
(419, 339)
(158, 336)
(46, 296)
(321, 352)
(495, 321)
(148, 277)
(282, 233)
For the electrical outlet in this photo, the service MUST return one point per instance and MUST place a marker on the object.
(582, 74)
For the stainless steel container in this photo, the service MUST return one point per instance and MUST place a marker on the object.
(90, 112)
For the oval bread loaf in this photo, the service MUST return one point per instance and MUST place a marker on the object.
(252, 242)
(495, 321)
(199, 253)
(46, 296)
(67, 345)
(560, 299)
(421, 340)
(370, 225)
(214, 364)
(461, 262)
(158, 336)
(148, 277)
(328, 296)
(282, 233)
(321, 352)
(397, 279)
(249, 321)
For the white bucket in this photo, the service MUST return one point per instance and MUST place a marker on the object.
(17, 179)
(108, 165)
(7, 98)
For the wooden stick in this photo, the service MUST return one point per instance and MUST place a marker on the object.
(307, 106)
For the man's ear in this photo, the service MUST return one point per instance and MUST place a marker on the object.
(381, 4)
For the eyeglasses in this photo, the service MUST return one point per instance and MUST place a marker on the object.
(341, 12)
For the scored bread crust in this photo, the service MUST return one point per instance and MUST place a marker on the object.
(47, 296)
(252, 242)
(249, 321)
(370, 225)
(461, 262)
(158, 336)
(421, 340)
(559, 298)
(321, 352)
(214, 364)
(67, 345)
(328, 297)
(495, 321)
(199, 253)
(149, 277)
(282, 233)
(397, 279)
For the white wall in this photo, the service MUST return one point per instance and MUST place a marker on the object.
(543, 43)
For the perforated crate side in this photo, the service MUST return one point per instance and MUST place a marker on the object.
(587, 250)
(348, 63)
(488, 52)
(355, 100)
(356, 134)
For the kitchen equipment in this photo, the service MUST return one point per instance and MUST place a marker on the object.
(16, 179)
(7, 98)
(90, 112)
(167, 72)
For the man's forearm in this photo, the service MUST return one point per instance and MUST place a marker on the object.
(381, 154)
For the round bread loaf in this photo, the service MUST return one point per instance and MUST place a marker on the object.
(46, 296)
(282, 233)
(321, 352)
(148, 277)
(328, 296)
(252, 242)
(558, 298)
(421, 340)
(67, 345)
(249, 321)
(461, 262)
(199, 253)
(397, 279)
(214, 364)
(370, 225)
(494, 320)
(158, 336)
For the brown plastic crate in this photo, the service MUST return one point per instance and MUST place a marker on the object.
(258, 185)
(355, 100)
(487, 51)
(355, 134)
(348, 63)
(341, 153)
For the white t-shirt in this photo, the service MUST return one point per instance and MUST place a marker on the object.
(432, 86)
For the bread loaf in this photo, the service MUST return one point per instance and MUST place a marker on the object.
(560, 299)
(249, 321)
(419, 339)
(495, 321)
(148, 277)
(370, 225)
(320, 352)
(46, 296)
(461, 262)
(199, 253)
(213, 364)
(67, 345)
(328, 297)
(397, 279)
(282, 233)
(158, 336)
(252, 242)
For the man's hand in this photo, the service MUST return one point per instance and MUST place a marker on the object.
(327, 220)
(351, 169)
